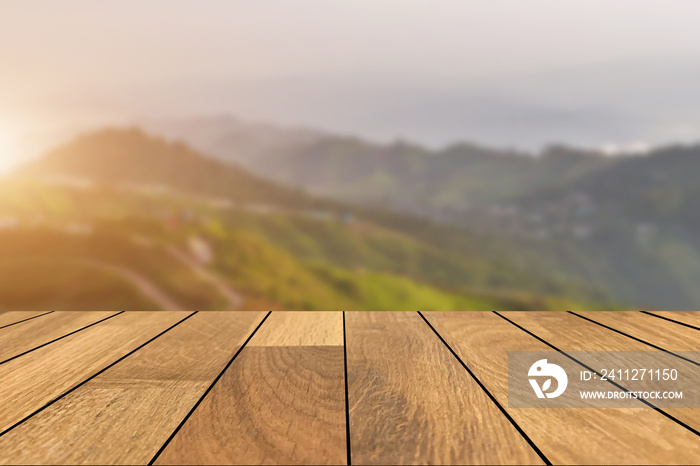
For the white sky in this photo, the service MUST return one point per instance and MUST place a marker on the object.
(382, 63)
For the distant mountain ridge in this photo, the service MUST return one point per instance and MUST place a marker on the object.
(660, 185)
(133, 157)
(401, 175)
(376, 258)
(568, 220)
(627, 225)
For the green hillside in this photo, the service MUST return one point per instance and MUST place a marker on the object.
(621, 228)
(46, 267)
(316, 266)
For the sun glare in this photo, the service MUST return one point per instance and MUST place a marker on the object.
(7, 157)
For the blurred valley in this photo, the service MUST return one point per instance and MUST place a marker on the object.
(627, 227)
(296, 219)
(123, 219)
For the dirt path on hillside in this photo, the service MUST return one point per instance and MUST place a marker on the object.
(145, 286)
(232, 296)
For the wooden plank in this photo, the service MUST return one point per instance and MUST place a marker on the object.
(301, 329)
(31, 381)
(568, 436)
(30, 334)
(124, 415)
(411, 402)
(13, 317)
(282, 401)
(686, 317)
(664, 334)
(570, 333)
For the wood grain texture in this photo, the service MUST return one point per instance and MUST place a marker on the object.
(27, 335)
(664, 334)
(125, 414)
(301, 329)
(32, 380)
(687, 317)
(282, 401)
(276, 404)
(11, 317)
(570, 333)
(565, 436)
(411, 402)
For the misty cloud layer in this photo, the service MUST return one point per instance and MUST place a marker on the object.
(522, 74)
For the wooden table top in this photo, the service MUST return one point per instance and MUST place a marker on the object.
(319, 388)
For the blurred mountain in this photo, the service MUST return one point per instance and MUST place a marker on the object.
(143, 210)
(625, 225)
(413, 179)
(463, 178)
(134, 159)
(235, 140)
(399, 175)
(494, 226)
(661, 187)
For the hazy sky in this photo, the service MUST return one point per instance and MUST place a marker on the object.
(520, 72)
